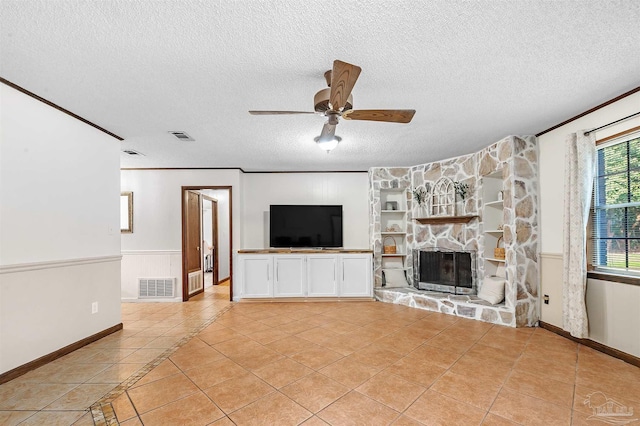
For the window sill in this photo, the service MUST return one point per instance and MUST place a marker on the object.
(604, 276)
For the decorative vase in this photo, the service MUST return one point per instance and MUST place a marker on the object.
(460, 208)
(421, 211)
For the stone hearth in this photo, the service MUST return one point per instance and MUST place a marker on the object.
(459, 305)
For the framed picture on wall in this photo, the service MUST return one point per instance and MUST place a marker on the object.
(126, 212)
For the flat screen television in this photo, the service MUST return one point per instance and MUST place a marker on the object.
(305, 226)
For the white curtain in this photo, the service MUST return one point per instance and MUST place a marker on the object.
(580, 160)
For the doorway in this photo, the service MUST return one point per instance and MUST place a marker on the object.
(193, 280)
(194, 251)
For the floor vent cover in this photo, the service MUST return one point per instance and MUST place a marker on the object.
(156, 287)
(195, 282)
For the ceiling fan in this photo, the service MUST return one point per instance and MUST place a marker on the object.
(336, 102)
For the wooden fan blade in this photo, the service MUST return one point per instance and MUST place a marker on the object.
(328, 131)
(343, 78)
(388, 115)
(279, 112)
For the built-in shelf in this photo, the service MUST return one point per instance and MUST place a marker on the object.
(492, 218)
(445, 219)
(395, 219)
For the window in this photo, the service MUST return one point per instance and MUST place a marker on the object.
(616, 208)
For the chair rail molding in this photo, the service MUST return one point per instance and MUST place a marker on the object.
(150, 252)
(548, 255)
(24, 267)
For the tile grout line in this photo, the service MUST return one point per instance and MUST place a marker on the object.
(183, 372)
(354, 389)
(313, 369)
(476, 342)
(100, 417)
(531, 341)
(275, 389)
(575, 379)
(507, 379)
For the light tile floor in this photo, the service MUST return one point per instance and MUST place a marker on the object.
(61, 392)
(347, 363)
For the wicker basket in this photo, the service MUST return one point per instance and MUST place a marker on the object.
(498, 252)
(389, 249)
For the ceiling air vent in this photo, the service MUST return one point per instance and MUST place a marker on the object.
(132, 152)
(183, 136)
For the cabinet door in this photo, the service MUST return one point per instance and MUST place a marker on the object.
(289, 278)
(355, 276)
(256, 276)
(321, 276)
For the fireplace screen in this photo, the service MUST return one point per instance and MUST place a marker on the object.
(449, 271)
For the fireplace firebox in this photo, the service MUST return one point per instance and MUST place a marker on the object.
(444, 271)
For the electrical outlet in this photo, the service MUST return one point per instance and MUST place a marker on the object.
(94, 308)
(546, 299)
(110, 230)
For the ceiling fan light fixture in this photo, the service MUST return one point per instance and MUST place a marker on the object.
(327, 144)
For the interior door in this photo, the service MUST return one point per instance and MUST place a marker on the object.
(193, 278)
(213, 266)
(214, 238)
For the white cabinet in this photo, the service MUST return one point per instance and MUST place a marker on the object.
(355, 275)
(264, 275)
(322, 277)
(290, 277)
(256, 276)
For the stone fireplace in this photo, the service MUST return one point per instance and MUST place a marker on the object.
(446, 271)
(507, 167)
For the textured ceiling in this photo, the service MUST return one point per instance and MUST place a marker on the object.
(474, 71)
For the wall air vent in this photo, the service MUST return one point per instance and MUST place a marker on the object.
(132, 152)
(183, 136)
(156, 287)
(195, 282)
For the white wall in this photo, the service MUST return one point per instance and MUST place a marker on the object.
(263, 189)
(47, 307)
(612, 323)
(207, 227)
(154, 248)
(59, 229)
(157, 222)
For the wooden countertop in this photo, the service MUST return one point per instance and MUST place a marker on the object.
(304, 251)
